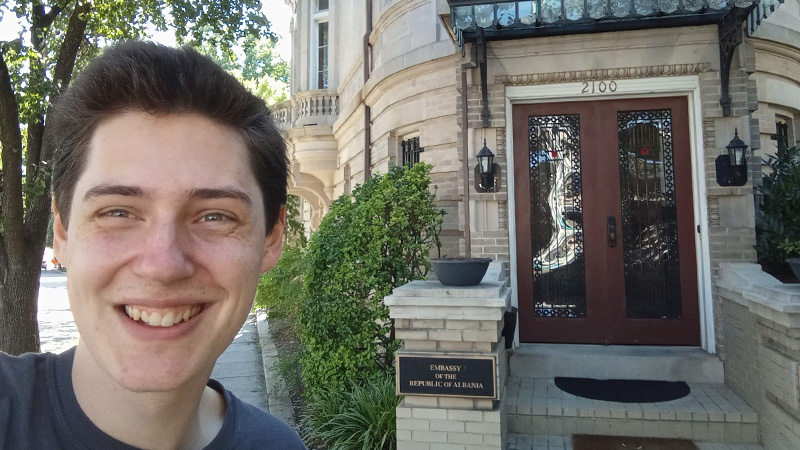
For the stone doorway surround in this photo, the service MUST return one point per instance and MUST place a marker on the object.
(633, 82)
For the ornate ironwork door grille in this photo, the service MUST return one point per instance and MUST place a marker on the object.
(649, 215)
(556, 216)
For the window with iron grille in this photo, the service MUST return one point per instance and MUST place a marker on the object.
(411, 151)
(782, 134)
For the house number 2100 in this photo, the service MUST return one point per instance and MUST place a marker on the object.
(599, 86)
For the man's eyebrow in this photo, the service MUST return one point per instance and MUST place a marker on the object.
(113, 189)
(212, 193)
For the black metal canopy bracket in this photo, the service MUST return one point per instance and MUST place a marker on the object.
(731, 34)
(481, 47)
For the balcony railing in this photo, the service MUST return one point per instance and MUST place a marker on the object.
(317, 107)
(282, 113)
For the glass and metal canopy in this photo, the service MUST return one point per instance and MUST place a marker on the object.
(479, 21)
(508, 20)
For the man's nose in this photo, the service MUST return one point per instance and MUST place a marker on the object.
(165, 255)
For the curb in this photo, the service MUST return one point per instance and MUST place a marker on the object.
(280, 405)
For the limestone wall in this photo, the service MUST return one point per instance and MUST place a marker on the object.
(762, 334)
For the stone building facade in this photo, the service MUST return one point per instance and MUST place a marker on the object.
(607, 121)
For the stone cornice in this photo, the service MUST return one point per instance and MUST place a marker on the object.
(621, 73)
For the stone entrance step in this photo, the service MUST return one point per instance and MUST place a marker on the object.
(710, 413)
(689, 364)
(544, 442)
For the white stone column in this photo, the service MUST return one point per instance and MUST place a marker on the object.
(453, 322)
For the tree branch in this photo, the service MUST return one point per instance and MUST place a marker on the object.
(69, 50)
(11, 140)
(40, 22)
(62, 74)
(47, 19)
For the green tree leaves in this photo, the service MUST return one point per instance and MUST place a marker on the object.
(779, 220)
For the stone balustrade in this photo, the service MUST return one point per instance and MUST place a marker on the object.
(317, 107)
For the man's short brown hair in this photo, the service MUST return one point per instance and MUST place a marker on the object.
(143, 76)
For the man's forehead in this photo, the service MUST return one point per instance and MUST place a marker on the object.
(136, 153)
(205, 193)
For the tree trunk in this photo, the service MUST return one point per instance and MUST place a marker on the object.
(23, 236)
(19, 330)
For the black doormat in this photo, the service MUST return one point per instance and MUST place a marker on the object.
(625, 391)
(585, 442)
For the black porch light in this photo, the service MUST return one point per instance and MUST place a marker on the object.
(486, 167)
(732, 168)
(736, 150)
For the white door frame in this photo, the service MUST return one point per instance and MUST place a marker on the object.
(680, 86)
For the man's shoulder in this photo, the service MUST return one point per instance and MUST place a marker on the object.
(260, 429)
(20, 370)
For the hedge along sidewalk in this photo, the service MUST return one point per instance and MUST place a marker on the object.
(280, 405)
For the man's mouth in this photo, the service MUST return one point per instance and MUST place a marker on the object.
(166, 317)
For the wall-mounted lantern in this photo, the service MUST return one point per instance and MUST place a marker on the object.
(487, 170)
(732, 168)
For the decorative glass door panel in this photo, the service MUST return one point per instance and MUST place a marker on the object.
(556, 216)
(649, 215)
(605, 224)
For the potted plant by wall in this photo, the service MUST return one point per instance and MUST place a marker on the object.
(460, 271)
(778, 223)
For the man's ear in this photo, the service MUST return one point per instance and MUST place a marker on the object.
(59, 235)
(274, 243)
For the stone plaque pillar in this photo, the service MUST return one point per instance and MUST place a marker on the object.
(453, 363)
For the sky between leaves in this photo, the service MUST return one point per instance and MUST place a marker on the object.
(277, 11)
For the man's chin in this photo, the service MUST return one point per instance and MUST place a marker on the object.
(157, 374)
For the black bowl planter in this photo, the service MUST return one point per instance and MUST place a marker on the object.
(794, 263)
(460, 272)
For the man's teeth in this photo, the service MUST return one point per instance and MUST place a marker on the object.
(162, 318)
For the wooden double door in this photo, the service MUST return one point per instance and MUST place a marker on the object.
(605, 223)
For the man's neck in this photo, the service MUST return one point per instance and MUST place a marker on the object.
(186, 418)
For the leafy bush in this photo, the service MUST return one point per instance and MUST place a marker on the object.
(280, 291)
(779, 220)
(365, 247)
(363, 418)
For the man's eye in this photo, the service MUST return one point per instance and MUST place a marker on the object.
(215, 217)
(119, 213)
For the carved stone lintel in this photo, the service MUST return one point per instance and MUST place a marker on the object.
(618, 73)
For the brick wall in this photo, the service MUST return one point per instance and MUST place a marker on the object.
(762, 349)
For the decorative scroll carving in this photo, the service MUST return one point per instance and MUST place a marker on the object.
(731, 34)
(621, 73)
(713, 211)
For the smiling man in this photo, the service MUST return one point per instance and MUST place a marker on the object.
(169, 188)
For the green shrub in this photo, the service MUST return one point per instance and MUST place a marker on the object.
(280, 291)
(363, 418)
(779, 220)
(365, 246)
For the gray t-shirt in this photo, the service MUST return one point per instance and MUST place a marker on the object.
(38, 410)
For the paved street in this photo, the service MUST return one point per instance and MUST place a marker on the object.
(57, 330)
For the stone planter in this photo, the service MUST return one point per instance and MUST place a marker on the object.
(794, 263)
(460, 272)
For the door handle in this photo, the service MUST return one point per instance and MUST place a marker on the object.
(611, 227)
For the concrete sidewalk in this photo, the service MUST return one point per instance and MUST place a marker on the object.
(240, 368)
(246, 367)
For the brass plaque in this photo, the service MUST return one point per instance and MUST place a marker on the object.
(468, 376)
